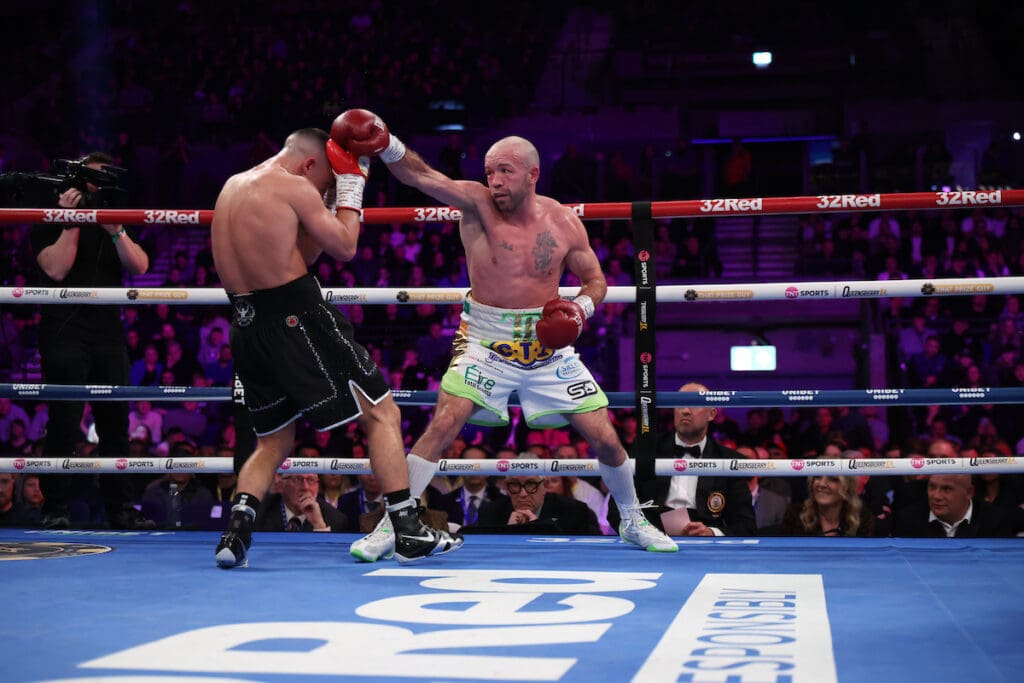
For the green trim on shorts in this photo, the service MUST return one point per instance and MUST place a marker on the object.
(453, 382)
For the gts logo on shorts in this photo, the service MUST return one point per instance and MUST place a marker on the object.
(581, 389)
(522, 353)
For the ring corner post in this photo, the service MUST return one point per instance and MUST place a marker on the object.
(646, 343)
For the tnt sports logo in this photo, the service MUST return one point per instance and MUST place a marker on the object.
(644, 256)
(19, 463)
(121, 464)
(17, 292)
(797, 465)
(792, 293)
(679, 465)
(286, 464)
(917, 462)
(504, 466)
(523, 353)
(646, 358)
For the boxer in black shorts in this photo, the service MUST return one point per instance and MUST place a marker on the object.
(294, 355)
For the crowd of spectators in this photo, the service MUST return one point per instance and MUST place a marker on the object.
(231, 89)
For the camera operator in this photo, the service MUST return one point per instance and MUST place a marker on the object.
(84, 344)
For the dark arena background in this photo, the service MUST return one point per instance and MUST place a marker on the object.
(811, 211)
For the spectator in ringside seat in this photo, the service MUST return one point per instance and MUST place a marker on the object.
(832, 508)
(951, 512)
(530, 509)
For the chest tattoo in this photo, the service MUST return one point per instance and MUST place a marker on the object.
(506, 246)
(542, 251)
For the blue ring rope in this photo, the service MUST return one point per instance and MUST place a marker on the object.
(617, 399)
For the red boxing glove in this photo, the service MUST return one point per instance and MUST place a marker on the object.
(561, 323)
(362, 132)
(350, 176)
(344, 162)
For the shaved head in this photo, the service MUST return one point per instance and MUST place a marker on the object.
(307, 142)
(519, 149)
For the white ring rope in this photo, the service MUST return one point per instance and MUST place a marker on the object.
(759, 291)
(556, 468)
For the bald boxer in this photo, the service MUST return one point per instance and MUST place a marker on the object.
(516, 334)
(294, 355)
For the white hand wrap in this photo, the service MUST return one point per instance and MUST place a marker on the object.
(586, 303)
(395, 150)
(349, 191)
(349, 187)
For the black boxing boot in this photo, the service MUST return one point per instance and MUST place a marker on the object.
(234, 543)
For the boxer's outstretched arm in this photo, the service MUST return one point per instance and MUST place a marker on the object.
(412, 170)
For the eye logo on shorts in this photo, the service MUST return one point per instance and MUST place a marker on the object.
(522, 353)
(581, 389)
(474, 378)
(291, 321)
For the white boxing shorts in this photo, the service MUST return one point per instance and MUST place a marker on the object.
(496, 352)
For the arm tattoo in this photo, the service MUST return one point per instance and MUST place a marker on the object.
(542, 251)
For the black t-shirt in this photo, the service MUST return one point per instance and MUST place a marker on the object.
(95, 265)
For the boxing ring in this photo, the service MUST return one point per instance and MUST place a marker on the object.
(151, 606)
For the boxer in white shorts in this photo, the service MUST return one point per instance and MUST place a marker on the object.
(518, 245)
(496, 352)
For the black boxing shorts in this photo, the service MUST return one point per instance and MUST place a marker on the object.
(295, 357)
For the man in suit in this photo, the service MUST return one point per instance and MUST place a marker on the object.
(769, 505)
(715, 506)
(367, 497)
(951, 512)
(529, 509)
(296, 507)
(463, 503)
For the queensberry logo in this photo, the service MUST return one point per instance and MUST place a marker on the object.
(70, 464)
(172, 464)
(446, 466)
(884, 463)
(983, 462)
(563, 466)
(338, 465)
(748, 465)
